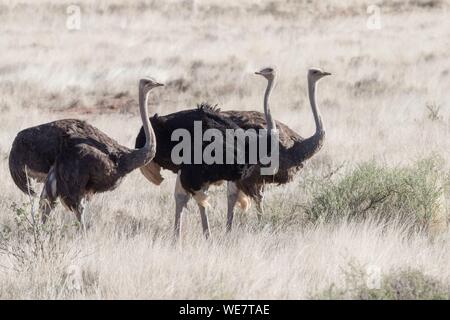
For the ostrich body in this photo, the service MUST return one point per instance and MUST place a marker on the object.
(35, 149)
(76, 160)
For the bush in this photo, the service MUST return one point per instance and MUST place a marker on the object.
(28, 242)
(37, 255)
(414, 193)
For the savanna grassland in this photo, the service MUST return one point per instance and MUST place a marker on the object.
(367, 217)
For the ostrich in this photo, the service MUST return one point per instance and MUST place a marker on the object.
(76, 160)
(293, 149)
(193, 180)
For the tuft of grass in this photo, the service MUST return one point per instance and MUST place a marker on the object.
(415, 194)
(434, 111)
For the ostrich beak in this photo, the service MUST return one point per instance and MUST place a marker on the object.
(257, 72)
(159, 84)
(327, 74)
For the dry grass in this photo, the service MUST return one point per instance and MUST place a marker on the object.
(387, 103)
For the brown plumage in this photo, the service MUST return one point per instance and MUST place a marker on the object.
(293, 149)
(76, 160)
(35, 149)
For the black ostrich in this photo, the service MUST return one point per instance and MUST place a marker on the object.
(193, 180)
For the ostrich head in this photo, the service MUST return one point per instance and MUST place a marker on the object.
(146, 84)
(268, 73)
(315, 74)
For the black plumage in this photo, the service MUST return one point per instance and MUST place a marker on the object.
(193, 176)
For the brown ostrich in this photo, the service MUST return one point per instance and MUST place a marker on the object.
(76, 160)
(293, 149)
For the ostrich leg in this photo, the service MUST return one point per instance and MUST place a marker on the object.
(78, 206)
(260, 209)
(205, 222)
(259, 203)
(81, 214)
(201, 198)
(181, 200)
(49, 195)
(232, 192)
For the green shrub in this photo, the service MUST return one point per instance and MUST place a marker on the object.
(413, 193)
(27, 242)
(39, 257)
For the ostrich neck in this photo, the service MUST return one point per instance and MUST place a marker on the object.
(305, 149)
(269, 120)
(140, 157)
(149, 133)
(315, 110)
